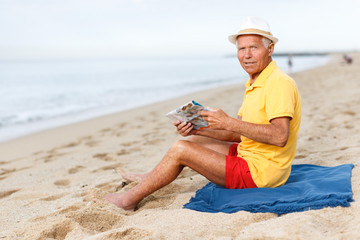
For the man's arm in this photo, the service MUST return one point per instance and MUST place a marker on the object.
(276, 133)
(187, 129)
(222, 135)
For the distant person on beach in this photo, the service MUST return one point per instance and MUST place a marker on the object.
(290, 62)
(347, 59)
(255, 149)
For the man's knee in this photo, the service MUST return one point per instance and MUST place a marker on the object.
(181, 146)
(183, 151)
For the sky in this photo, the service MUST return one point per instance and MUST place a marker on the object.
(163, 28)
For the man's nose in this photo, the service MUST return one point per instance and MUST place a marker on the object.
(247, 53)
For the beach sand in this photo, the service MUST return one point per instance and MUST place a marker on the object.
(48, 179)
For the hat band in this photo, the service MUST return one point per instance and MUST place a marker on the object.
(254, 31)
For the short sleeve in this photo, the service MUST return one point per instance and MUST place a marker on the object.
(280, 98)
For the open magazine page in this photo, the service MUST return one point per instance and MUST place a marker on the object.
(189, 113)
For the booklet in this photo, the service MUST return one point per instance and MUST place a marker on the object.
(189, 113)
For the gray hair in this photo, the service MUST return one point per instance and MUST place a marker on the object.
(265, 41)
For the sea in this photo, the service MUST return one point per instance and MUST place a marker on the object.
(40, 94)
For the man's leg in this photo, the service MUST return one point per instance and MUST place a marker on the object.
(134, 177)
(213, 144)
(203, 160)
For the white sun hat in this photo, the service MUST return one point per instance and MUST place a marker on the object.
(254, 25)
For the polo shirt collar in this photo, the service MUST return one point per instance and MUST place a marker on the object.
(260, 81)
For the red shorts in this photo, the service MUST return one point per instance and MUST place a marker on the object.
(237, 173)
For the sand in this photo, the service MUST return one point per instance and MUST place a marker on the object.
(48, 179)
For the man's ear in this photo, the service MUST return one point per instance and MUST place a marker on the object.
(271, 48)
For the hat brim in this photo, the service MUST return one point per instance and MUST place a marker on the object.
(233, 38)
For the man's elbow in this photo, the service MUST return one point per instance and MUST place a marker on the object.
(281, 141)
(282, 144)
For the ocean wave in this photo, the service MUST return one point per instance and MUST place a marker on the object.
(35, 92)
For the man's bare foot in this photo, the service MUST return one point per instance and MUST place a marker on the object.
(120, 200)
(134, 177)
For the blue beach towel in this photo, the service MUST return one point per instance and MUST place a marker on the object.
(308, 187)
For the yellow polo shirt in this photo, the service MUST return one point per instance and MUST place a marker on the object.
(273, 94)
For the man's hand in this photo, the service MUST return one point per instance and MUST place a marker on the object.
(216, 118)
(185, 128)
(276, 133)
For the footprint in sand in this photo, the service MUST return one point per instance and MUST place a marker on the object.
(48, 158)
(108, 167)
(128, 144)
(70, 209)
(8, 193)
(349, 126)
(89, 218)
(300, 156)
(72, 144)
(62, 182)
(4, 172)
(119, 134)
(106, 130)
(75, 169)
(331, 126)
(351, 113)
(57, 231)
(103, 156)
(94, 219)
(122, 125)
(123, 152)
(51, 156)
(53, 198)
(89, 141)
(92, 143)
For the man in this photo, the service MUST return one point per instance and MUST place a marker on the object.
(254, 150)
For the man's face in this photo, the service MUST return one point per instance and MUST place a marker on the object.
(252, 54)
